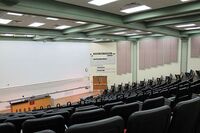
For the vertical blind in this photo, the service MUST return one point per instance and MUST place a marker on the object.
(123, 57)
(157, 51)
(195, 47)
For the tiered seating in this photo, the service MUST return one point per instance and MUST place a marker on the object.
(138, 107)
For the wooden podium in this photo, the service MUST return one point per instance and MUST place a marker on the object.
(99, 82)
(31, 103)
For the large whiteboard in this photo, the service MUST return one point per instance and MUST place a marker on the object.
(28, 62)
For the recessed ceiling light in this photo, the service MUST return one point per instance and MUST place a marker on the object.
(119, 33)
(138, 31)
(101, 2)
(136, 9)
(14, 14)
(132, 34)
(80, 22)
(4, 21)
(185, 0)
(36, 24)
(149, 32)
(61, 27)
(192, 28)
(7, 35)
(50, 18)
(185, 25)
(30, 35)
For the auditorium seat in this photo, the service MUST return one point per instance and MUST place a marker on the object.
(17, 121)
(7, 128)
(153, 103)
(45, 131)
(150, 121)
(108, 106)
(125, 110)
(64, 113)
(185, 116)
(87, 116)
(85, 108)
(109, 125)
(54, 123)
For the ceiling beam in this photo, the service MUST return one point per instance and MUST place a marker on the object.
(163, 12)
(173, 21)
(28, 31)
(52, 8)
(82, 28)
(104, 31)
(190, 32)
(112, 37)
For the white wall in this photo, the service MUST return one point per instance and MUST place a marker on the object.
(34, 68)
(193, 63)
(165, 70)
(112, 77)
(24, 63)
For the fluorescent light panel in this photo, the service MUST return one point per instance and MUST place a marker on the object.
(119, 33)
(61, 27)
(7, 34)
(14, 14)
(50, 18)
(136, 9)
(185, 0)
(192, 28)
(101, 2)
(132, 34)
(36, 24)
(4, 21)
(185, 25)
(80, 22)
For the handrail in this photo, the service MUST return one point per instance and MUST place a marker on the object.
(42, 95)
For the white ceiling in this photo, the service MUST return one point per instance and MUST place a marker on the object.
(25, 20)
(115, 7)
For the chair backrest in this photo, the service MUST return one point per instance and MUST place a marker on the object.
(185, 116)
(45, 131)
(109, 125)
(150, 121)
(7, 128)
(87, 116)
(17, 121)
(153, 103)
(85, 108)
(124, 110)
(108, 106)
(54, 123)
(65, 114)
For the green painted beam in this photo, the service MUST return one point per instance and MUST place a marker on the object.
(28, 31)
(112, 37)
(190, 32)
(163, 12)
(37, 37)
(82, 28)
(53, 8)
(108, 30)
(173, 21)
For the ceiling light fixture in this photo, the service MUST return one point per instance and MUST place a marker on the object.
(101, 2)
(9, 35)
(136, 9)
(80, 22)
(61, 27)
(50, 18)
(119, 33)
(192, 28)
(14, 14)
(185, 25)
(36, 24)
(4, 21)
(185, 0)
(132, 34)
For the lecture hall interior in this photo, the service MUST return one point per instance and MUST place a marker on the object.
(104, 66)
